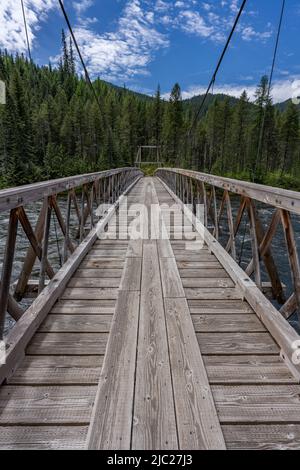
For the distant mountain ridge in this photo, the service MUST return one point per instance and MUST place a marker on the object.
(195, 101)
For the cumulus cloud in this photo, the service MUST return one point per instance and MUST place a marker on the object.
(128, 50)
(193, 23)
(82, 5)
(12, 34)
(282, 90)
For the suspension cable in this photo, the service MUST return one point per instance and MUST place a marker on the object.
(262, 130)
(242, 7)
(80, 55)
(26, 30)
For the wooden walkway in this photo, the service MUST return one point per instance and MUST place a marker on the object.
(151, 346)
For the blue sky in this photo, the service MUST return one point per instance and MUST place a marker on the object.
(141, 43)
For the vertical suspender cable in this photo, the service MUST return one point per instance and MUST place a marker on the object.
(212, 82)
(26, 30)
(262, 130)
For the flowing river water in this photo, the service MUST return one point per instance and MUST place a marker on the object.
(243, 242)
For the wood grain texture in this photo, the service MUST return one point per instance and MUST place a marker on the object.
(210, 323)
(73, 344)
(111, 421)
(135, 249)
(207, 283)
(58, 370)
(203, 273)
(132, 273)
(78, 307)
(219, 306)
(42, 437)
(257, 404)
(218, 293)
(247, 370)
(262, 437)
(46, 405)
(154, 425)
(78, 293)
(171, 283)
(197, 421)
(98, 273)
(94, 283)
(237, 343)
(76, 324)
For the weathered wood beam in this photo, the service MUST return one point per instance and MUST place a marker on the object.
(289, 307)
(277, 197)
(292, 253)
(26, 225)
(264, 240)
(61, 222)
(44, 253)
(7, 267)
(254, 243)
(16, 197)
(30, 256)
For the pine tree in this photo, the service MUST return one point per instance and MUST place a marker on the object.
(239, 133)
(289, 136)
(157, 124)
(173, 125)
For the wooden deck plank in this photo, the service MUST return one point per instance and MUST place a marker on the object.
(80, 324)
(132, 273)
(219, 307)
(257, 404)
(107, 254)
(90, 293)
(94, 283)
(46, 405)
(111, 421)
(247, 323)
(135, 249)
(58, 370)
(199, 265)
(203, 273)
(42, 437)
(70, 344)
(78, 307)
(171, 283)
(102, 264)
(237, 343)
(98, 273)
(262, 437)
(154, 425)
(247, 370)
(197, 422)
(218, 293)
(207, 283)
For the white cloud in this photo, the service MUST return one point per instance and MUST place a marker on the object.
(126, 52)
(193, 23)
(82, 5)
(248, 33)
(12, 33)
(282, 90)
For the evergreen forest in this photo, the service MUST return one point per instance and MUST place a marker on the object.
(51, 126)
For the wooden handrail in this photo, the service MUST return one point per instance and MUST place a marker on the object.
(94, 188)
(191, 186)
(277, 197)
(15, 197)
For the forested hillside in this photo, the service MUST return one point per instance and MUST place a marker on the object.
(51, 126)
